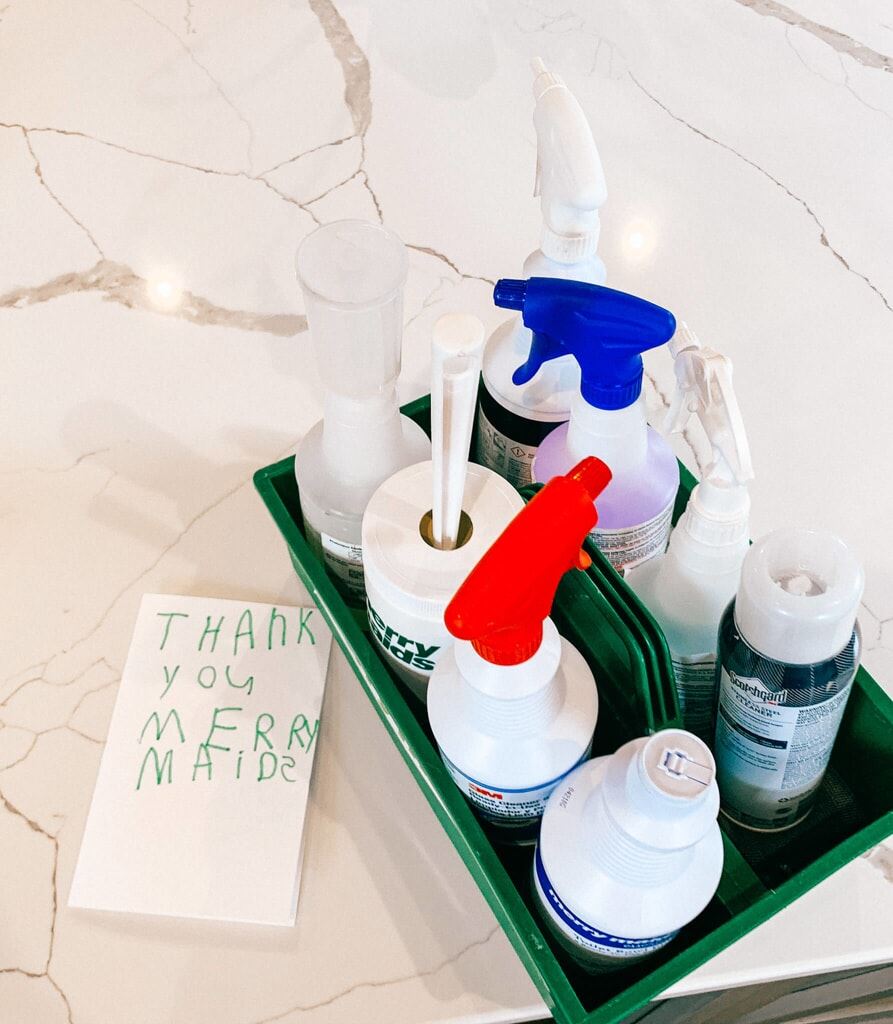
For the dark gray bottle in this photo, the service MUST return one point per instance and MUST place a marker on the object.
(789, 647)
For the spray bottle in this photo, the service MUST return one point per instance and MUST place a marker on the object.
(688, 589)
(630, 850)
(512, 704)
(605, 331)
(352, 275)
(427, 526)
(789, 647)
(514, 418)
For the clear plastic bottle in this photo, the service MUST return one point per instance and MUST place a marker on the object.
(352, 275)
(688, 588)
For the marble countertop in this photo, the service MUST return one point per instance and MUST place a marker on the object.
(161, 161)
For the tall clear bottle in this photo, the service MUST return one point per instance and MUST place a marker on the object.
(352, 275)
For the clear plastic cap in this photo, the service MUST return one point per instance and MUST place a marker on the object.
(352, 275)
(799, 594)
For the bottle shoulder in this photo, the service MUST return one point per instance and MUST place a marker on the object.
(548, 396)
(516, 757)
(643, 490)
(330, 494)
(569, 857)
(687, 607)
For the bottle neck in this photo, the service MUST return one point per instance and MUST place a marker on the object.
(591, 269)
(513, 699)
(617, 436)
(361, 436)
(624, 857)
(512, 716)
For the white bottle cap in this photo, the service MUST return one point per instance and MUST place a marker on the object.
(717, 513)
(662, 791)
(800, 590)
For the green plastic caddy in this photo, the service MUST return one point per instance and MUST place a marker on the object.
(627, 652)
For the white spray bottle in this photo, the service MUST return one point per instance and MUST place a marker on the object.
(513, 419)
(688, 589)
(512, 704)
(352, 275)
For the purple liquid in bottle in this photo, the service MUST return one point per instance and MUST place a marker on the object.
(635, 509)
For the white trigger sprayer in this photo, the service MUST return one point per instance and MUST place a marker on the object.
(569, 177)
(704, 389)
(570, 183)
(688, 589)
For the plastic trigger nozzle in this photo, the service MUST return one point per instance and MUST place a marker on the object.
(604, 329)
(704, 389)
(500, 615)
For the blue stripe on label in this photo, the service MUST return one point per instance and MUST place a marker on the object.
(529, 789)
(586, 931)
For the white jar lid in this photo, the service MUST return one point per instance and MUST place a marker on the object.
(799, 594)
(405, 569)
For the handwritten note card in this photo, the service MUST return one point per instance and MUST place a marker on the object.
(199, 805)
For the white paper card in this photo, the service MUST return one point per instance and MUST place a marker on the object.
(199, 805)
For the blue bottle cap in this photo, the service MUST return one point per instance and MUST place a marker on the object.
(605, 330)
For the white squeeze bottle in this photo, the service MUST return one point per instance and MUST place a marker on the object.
(352, 275)
(630, 850)
(688, 589)
(512, 704)
(514, 418)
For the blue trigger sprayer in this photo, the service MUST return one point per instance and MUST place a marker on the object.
(605, 331)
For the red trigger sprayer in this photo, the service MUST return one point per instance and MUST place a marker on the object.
(513, 705)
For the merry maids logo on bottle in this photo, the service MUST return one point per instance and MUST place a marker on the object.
(412, 653)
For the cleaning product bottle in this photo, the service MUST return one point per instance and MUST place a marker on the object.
(514, 418)
(789, 647)
(630, 850)
(428, 525)
(605, 331)
(352, 275)
(688, 588)
(512, 704)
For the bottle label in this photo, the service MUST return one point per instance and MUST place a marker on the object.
(633, 545)
(696, 689)
(510, 459)
(587, 936)
(344, 562)
(771, 753)
(413, 658)
(517, 810)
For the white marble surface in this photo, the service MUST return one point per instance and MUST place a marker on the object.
(161, 161)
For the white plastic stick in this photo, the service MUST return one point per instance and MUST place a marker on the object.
(456, 352)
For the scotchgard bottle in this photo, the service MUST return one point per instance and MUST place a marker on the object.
(789, 648)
